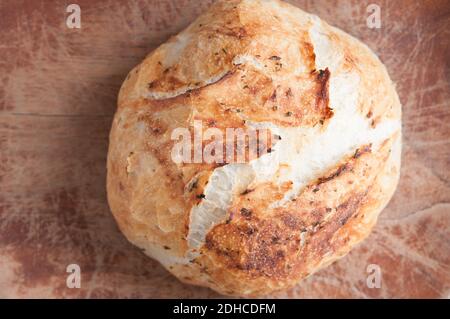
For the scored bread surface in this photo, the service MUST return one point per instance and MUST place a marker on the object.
(254, 228)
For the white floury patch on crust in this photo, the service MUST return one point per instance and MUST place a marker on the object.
(164, 256)
(327, 55)
(224, 182)
(176, 48)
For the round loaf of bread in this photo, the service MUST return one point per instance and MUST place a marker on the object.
(261, 224)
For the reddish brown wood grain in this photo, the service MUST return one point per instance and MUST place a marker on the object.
(58, 90)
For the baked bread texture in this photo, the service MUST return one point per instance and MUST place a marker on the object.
(255, 227)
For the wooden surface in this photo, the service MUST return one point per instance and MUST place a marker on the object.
(57, 98)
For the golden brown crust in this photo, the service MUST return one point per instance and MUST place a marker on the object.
(250, 61)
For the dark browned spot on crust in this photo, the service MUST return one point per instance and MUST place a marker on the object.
(273, 97)
(247, 191)
(246, 213)
(291, 221)
(322, 95)
(289, 92)
(211, 122)
(341, 169)
(193, 185)
(363, 150)
(374, 123)
(308, 48)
